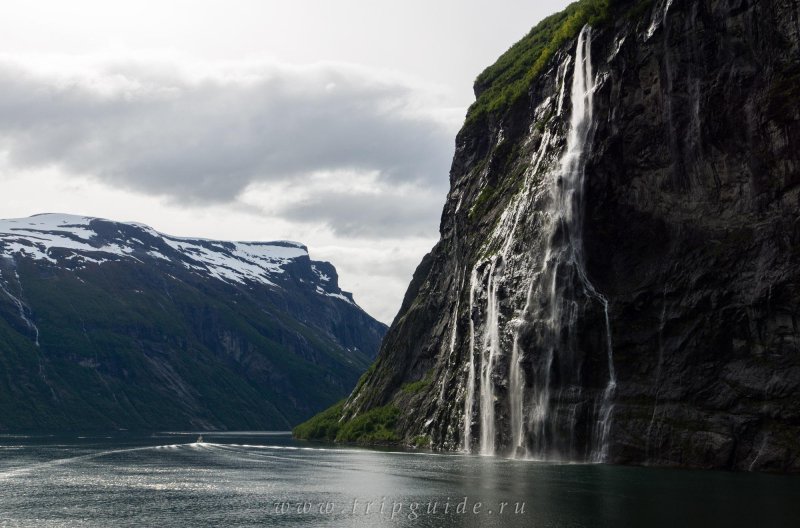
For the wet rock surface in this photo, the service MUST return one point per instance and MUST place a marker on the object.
(688, 224)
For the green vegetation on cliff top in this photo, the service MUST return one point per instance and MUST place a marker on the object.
(508, 79)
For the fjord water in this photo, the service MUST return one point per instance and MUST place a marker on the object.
(236, 479)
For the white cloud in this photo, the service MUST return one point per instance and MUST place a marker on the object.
(205, 134)
(351, 160)
(335, 156)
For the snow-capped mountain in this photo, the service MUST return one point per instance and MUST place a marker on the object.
(107, 324)
(76, 242)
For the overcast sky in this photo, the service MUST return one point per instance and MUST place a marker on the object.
(328, 122)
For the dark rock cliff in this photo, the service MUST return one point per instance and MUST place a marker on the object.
(617, 277)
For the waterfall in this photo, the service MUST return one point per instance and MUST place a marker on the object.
(492, 346)
(659, 366)
(516, 383)
(658, 18)
(571, 203)
(469, 398)
(452, 347)
(490, 352)
(603, 422)
(542, 335)
(759, 453)
(515, 399)
(556, 307)
(22, 308)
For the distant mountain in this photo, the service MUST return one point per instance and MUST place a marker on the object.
(109, 325)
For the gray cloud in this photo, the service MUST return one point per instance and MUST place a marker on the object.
(204, 138)
(370, 215)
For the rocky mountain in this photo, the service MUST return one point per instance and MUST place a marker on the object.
(109, 325)
(617, 278)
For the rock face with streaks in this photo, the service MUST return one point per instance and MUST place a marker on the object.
(617, 277)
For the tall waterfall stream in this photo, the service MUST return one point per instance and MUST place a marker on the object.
(557, 286)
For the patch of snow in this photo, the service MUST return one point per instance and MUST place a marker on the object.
(26, 250)
(340, 296)
(322, 276)
(36, 237)
(321, 291)
(86, 258)
(237, 261)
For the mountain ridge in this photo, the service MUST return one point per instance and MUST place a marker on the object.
(150, 327)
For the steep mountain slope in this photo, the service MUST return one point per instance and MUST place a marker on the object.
(617, 277)
(114, 325)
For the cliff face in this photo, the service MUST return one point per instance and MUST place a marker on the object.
(617, 277)
(107, 325)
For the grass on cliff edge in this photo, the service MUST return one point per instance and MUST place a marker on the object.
(508, 79)
(376, 426)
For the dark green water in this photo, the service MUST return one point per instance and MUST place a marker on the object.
(242, 479)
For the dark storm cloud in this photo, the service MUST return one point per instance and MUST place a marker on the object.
(205, 138)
